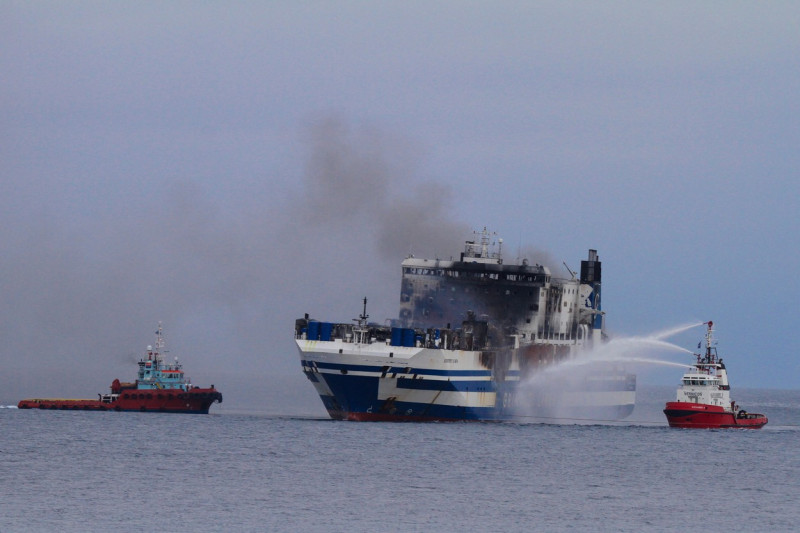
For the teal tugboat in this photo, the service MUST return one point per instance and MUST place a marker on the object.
(160, 387)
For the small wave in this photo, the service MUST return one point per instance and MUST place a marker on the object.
(783, 427)
(8, 406)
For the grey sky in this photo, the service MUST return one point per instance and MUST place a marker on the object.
(226, 167)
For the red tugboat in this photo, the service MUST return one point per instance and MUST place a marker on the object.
(160, 387)
(704, 396)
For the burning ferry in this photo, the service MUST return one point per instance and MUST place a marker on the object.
(472, 337)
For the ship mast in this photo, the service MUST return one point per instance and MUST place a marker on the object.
(364, 316)
(709, 338)
(159, 342)
(361, 330)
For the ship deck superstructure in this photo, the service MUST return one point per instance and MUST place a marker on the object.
(518, 299)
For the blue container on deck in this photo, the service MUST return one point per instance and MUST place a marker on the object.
(313, 330)
(325, 330)
(397, 337)
(408, 337)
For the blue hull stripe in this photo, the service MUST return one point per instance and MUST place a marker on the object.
(428, 384)
(401, 370)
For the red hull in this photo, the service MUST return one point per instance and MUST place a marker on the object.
(159, 401)
(695, 415)
(386, 417)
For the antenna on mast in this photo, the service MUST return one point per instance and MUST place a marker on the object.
(364, 316)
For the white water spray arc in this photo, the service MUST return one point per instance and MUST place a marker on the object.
(569, 377)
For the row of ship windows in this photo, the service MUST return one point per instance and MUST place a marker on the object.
(553, 292)
(475, 275)
(485, 290)
(142, 396)
(700, 382)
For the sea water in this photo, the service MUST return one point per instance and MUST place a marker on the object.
(89, 471)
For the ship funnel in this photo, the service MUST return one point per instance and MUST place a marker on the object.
(590, 269)
(591, 275)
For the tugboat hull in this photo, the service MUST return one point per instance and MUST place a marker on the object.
(166, 401)
(702, 416)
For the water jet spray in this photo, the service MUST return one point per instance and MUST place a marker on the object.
(552, 392)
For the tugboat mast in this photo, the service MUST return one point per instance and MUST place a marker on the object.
(711, 356)
(159, 342)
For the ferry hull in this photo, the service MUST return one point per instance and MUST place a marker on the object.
(411, 386)
(196, 401)
(702, 416)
